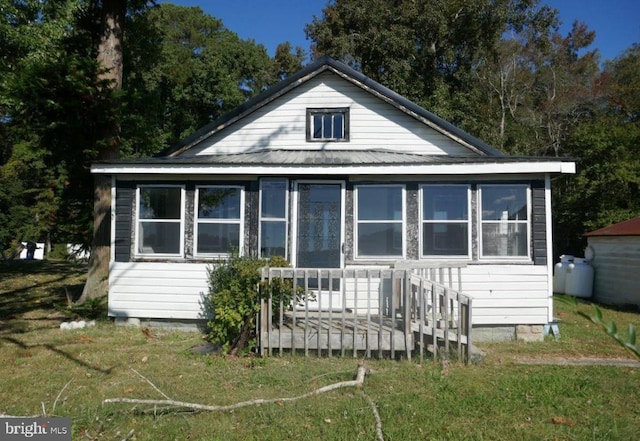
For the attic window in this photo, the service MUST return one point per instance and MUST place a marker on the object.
(330, 124)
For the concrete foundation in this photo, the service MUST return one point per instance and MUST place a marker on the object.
(501, 333)
(169, 324)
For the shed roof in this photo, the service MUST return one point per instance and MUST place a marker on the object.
(629, 227)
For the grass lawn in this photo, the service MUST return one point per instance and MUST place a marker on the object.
(70, 373)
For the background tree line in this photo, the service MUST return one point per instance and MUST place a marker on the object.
(498, 69)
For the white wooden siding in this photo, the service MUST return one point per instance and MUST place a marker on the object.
(616, 264)
(373, 124)
(507, 294)
(502, 294)
(157, 290)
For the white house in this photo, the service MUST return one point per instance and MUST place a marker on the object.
(333, 170)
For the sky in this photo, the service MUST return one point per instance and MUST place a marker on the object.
(270, 22)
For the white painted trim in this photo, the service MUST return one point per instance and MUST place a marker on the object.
(528, 257)
(294, 218)
(549, 227)
(197, 221)
(421, 221)
(137, 222)
(287, 193)
(510, 168)
(403, 221)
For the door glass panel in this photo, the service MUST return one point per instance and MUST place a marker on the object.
(319, 227)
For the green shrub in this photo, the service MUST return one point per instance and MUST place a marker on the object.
(58, 251)
(233, 301)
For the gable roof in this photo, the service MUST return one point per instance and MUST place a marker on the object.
(629, 227)
(357, 78)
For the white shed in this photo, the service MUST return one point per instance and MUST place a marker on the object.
(616, 261)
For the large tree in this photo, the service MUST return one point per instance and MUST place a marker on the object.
(48, 101)
(111, 16)
(425, 50)
(199, 70)
(535, 87)
(606, 145)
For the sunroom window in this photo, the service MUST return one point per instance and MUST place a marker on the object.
(218, 223)
(445, 220)
(504, 220)
(328, 124)
(273, 217)
(160, 220)
(379, 221)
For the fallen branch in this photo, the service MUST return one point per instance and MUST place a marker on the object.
(376, 415)
(362, 370)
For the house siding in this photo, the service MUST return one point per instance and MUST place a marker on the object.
(507, 294)
(157, 290)
(616, 263)
(374, 124)
(502, 294)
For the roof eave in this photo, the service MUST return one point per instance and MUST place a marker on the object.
(484, 168)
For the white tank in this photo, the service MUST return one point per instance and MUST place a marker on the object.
(560, 272)
(579, 278)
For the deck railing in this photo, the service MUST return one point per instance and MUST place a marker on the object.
(406, 309)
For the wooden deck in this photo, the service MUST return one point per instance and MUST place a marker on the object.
(418, 313)
(346, 334)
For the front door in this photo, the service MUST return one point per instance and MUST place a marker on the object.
(319, 224)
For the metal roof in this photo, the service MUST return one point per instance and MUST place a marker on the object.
(629, 227)
(324, 158)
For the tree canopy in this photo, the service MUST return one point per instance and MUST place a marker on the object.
(499, 69)
(181, 68)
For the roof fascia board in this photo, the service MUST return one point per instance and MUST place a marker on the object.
(514, 168)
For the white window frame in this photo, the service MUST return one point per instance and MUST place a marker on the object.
(285, 220)
(468, 221)
(357, 222)
(197, 221)
(527, 222)
(139, 220)
(343, 111)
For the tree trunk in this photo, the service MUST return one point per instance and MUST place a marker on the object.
(110, 59)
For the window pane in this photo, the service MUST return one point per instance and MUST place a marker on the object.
(218, 238)
(380, 239)
(445, 239)
(160, 203)
(379, 203)
(219, 203)
(445, 203)
(317, 126)
(327, 124)
(159, 238)
(273, 237)
(500, 239)
(338, 126)
(504, 203)
(274, 195)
